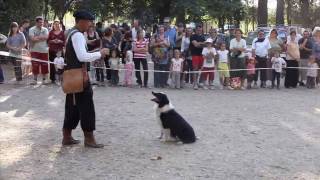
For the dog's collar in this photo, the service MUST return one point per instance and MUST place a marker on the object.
(166, 108)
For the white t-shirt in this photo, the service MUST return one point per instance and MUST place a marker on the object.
(312, 72)
(208, 62)
(129, 58)
(223, 56)
(177, 64)
(261, 48)
(278, 64)
(59, 62)
(238, 44)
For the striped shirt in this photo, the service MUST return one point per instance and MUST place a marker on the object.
(138, 45)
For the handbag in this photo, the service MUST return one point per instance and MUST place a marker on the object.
(75, 80)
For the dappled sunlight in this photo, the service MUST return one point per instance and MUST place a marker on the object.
(317, 110)
(306, 176)
(4, 98)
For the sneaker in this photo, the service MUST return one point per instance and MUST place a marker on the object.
(34, 82)
(230, 88)
(242, 88)
(205, 87)
(195, 87)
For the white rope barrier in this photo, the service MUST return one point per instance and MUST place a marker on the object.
(28, 58)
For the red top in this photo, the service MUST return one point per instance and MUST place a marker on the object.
(55, 47)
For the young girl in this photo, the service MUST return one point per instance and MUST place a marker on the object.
(99, 64)
(114, 63)
(277, 64)
(208, 53)
(176, 69)
(59, 65)
(129, 66)
(312, 73)
(251, 66)
(223, 66)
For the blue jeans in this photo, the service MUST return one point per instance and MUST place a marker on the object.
(161, 78)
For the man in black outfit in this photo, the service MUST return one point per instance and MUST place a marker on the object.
(79, 106)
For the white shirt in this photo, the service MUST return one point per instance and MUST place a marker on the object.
(185, 43)
(177, 64)
(238, 44)
(223, 56)
(129, 58)
(59, 62)
(134, 34)
(261, 48)
(208, 62)
(80, 47)
(278, 64)
(298, 37)
(312, 72)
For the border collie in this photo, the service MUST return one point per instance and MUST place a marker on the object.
(174, 127)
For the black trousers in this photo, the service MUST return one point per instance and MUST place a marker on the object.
(80, 107)
(137, 62)
(17, 68)
(52, 56)
(114, 77)
(108, 70)
(292, 75)
(99, 75)
(261, 63)
(276, 76)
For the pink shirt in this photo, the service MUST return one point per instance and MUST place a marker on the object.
(251, 69)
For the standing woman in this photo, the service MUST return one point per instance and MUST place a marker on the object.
(140, 49)
(293, 55)
(56, 41)
(187, 54)
(15, 43)
(160, 52)
(108, 41)
(276, 47)
(238, 47)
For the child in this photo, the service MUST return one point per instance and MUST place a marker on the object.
(223, 66)
(98, 65)
(277, 64)
(114, 63)
(59, 65)
(312, 73)
(251, 66)
(26, 63)
(129, 66)
(176, 69)
(208, 65)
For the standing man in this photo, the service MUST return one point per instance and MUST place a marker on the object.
(260, 47)
(39, 50)
(136, 27)
(79, 106)
(305, 46)
(197, 42)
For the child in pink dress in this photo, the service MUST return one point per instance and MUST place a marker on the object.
(251, 71)
(129, 66)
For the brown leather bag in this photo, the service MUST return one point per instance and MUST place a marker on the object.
(75, 80)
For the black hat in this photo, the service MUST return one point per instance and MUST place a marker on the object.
(85, 15)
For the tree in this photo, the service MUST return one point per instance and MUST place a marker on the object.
(262, 12)
(280, 12)
(61, 7)
(289, 9)
(305, 15)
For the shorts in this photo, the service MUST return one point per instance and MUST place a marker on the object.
(197, 62)
(37, 66)
(224, 67)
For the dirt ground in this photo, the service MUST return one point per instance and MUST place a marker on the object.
(251, 134)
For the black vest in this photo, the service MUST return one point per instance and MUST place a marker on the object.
(71, 58)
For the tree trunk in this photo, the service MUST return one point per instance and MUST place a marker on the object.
(305, 8)
(46, 9)
(289, 9)
(165, 10)
(280, 12)
(263, 12)
(181, 16)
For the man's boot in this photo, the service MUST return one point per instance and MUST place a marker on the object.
(67, 138)
(89, 140)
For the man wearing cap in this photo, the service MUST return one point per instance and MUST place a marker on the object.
(39, 50)
(79, 106)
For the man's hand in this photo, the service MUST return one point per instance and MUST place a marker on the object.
(104, 52)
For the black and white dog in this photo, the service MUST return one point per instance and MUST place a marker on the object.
(174, 127)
